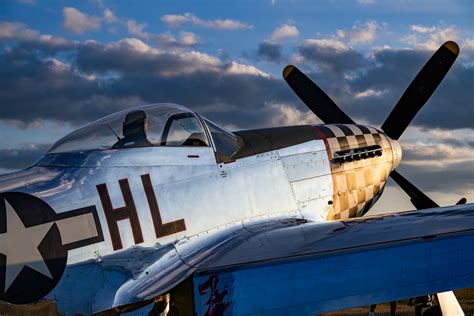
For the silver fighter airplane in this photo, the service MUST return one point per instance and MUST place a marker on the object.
(158, 210)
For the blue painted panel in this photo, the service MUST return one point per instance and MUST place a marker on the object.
(317, 284)
(87, 287)
(77, 288)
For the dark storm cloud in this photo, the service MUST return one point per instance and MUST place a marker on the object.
(129, 72)
(270, 51)
(200, 82)
(97, 79)
(331, 59)
(37, 88)
(13, 159)
(451, 106)
(367, 87)
(229, 99)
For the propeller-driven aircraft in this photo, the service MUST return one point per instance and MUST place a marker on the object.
(158, 208)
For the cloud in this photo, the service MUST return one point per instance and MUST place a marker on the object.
(16, 30)
(100, 78)
(189, 39)
(271, 48)
(366, 2)
(337, 53)
(227, 24)
(19, 158)
(368, 86)
(422, 29)
(286, 115)
(49, 88)
(284, 32)
(437, 148)
(109, 16)
(137, 29)
(430, 37)
(104, 78)
(454, 177)
(28, 38)
(330, 56)
(370, 93)
(468, 46)
(236, 68)
(329, 44)
(439, 162)
(436, 155)
(174, 20)
(168, 41)
(392, 70)
(78, 22)
(133, 57)
(269, 51)
(360, 34)
(97, 79)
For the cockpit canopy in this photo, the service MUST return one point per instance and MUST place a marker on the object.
(153, 125)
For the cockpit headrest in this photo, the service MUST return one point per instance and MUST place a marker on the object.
(134, 122)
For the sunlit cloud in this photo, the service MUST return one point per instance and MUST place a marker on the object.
(360, 34)
(175, 20)
(284, 32)
(78, 22)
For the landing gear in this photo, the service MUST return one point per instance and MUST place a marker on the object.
(424, 306)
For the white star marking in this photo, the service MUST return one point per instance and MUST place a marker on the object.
(20, 245)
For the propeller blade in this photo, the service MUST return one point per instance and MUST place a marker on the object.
(417, 198)
(314, 98)
(420, 89)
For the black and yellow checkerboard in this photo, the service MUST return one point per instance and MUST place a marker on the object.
(358, 183)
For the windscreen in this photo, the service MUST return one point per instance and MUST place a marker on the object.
(226, 143)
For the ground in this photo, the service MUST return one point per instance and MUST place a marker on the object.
(465, 297)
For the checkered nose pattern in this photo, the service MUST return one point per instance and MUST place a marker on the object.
(361, 160)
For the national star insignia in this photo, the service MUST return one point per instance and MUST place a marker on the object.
(20, 245)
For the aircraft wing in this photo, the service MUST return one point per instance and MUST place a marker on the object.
(293, 266)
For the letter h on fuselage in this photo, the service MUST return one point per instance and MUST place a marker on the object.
(129, 211)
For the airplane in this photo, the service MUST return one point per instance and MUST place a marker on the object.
(157, 209)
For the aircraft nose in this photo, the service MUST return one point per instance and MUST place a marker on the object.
(396, 152)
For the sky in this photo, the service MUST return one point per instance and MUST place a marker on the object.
(66, 63)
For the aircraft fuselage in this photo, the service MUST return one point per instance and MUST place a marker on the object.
(162, 194)
(103, 202)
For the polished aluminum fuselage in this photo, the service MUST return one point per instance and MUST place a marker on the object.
(188, 184)
(191, 188)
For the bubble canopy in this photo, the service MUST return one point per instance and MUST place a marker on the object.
(163, 124)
